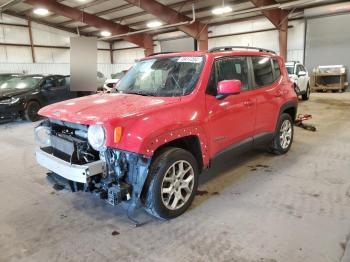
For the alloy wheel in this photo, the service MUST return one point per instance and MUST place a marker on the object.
(177, 185)
(286, 134)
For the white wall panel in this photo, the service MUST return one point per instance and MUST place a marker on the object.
(14, 34)
(11, 19)
(103, 57)
(18, 54)
(102, 44)
(123, 44)
(127, 57)
(61, 55)
(44, 35)
(43, 55)
(3, 55)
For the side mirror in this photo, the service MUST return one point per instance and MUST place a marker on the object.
(302, 73)
(228, 87)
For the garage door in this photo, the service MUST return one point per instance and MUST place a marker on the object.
(327, 41)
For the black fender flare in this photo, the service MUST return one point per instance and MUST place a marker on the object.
(289, 105)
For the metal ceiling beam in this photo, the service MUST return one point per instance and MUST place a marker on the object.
(275, 15)
(198, 10)
(201, 19)
(29, 11)
(196, 30)
(42, 22)
(143, 40)
(9, 4)
(121, 18)
(105, 12)
(83, 6)
(279, 18)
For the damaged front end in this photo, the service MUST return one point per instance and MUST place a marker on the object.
(114, 175)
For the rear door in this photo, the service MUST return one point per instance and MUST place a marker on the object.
(268, 92)
(231, 120)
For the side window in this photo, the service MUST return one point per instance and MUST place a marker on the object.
(49, 82)
(228, 68)
(277, 69)
(262, 71)
(61, 81)
(299, 68)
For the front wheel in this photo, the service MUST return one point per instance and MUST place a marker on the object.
(172, 183)
(283, 137)
(31, 111)
(306, 96)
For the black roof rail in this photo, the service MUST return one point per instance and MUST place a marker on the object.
(160, 53)
(230, 48)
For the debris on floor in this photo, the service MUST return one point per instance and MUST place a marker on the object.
(299, 122)
(115, 233)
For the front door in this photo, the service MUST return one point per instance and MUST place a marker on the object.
(54, 89)
(230, 120)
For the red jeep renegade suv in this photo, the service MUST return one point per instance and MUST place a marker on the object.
(147, 143)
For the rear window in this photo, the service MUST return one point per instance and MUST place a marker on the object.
(262, 68)
(277, 69)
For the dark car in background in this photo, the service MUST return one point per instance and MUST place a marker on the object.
(24, 95)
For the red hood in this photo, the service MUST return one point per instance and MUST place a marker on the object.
(103, 107)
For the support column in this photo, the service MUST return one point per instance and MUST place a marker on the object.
(283, 38)
(111, 52)
(31, 40)
(203, 40)
(148, 43)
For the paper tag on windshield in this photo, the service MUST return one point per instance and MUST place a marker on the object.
(190, 59)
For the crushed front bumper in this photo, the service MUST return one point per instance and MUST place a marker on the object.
(73, 172)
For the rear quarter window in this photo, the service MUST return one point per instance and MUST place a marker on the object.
(262, 69)
(276, 68)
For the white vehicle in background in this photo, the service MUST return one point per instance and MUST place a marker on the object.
(110, 84)
(299, 75)
(100, 80)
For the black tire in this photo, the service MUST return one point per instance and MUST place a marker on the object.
(306, 96)
(277, 147)
(154, 204)
(31, 111)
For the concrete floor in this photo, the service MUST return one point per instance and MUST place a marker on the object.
(256, 207)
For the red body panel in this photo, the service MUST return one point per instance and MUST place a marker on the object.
(149, 122)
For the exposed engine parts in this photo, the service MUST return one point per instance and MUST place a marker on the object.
(123, 175)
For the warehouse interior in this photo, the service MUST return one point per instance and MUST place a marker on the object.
(251, 206)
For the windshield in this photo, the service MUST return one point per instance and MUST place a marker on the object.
(6, 77)
(26, 82)
(290, 70)
(167, 76)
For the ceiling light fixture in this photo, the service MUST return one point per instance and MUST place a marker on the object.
(41, 11)
(221, 10)
(106, 33)
(154, 24)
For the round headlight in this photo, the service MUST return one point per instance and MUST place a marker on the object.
(97, 137)
(43, 136)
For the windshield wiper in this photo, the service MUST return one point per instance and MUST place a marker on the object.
(139, 93)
